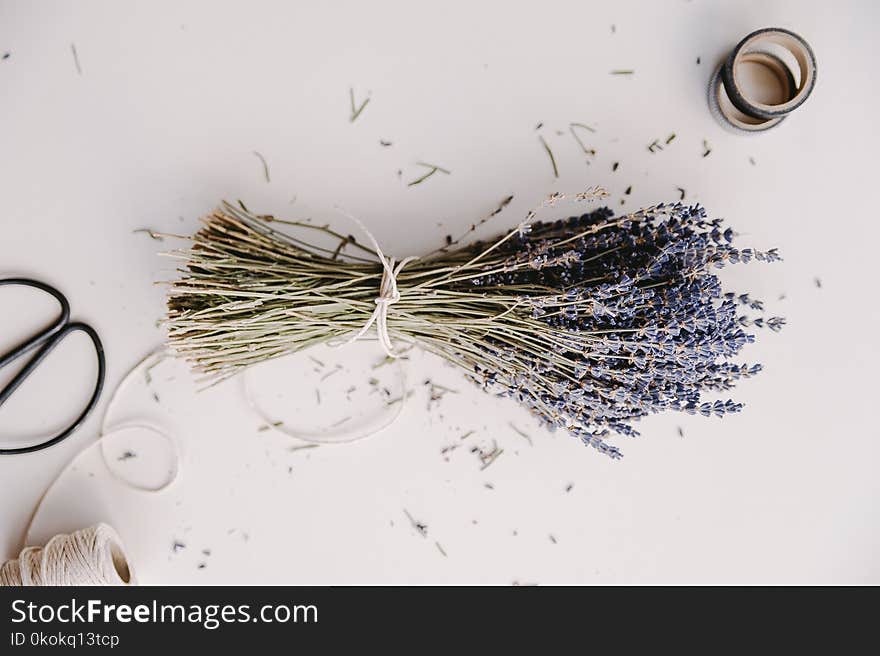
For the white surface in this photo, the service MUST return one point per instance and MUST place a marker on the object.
(161, 124)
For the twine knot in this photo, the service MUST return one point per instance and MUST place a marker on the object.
(389, 294)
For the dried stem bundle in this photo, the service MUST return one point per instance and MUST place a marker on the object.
(591, 322)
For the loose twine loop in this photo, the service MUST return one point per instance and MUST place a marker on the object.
(91, 556)
(94, 555)
(388, 294)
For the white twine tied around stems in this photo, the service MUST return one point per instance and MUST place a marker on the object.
(388, 294)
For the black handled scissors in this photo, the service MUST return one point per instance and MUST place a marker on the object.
(45, 341)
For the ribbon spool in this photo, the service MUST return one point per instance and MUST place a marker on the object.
(734, 108)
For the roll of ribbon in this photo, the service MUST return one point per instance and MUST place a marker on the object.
(91, 556)
(766, 47)
(731, 117)
(759, 41)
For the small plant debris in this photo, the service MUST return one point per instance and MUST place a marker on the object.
(152, 233)
(383, 362)
(441, 549)
(681, 193)
(504, 203)
(355, 112)
(433, 169)
(385, 144)
(436, 392)
(571, 128)
(127, 455)
(488, 457)
(706, 148)
(265, 427)
(614, 166)
(177, 546)
(550, 155)
(622, 72)
(421, 527)
(265, 165)
(76, 58)
(521, 433)
(335, 370)
(148, 377)
(399, 399)
(302, 447)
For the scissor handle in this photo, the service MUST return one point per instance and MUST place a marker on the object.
(48, 339)
(43, 335)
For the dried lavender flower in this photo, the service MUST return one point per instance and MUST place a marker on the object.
(591, 323)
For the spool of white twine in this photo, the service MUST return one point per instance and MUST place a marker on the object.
(91, 556)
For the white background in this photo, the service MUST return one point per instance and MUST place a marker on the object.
(162, 122)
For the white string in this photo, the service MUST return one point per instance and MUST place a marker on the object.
(111, 428)
(91, 556)
(11, 573)
(388, 294)
(368, 424)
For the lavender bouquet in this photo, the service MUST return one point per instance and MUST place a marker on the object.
(590, 322)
